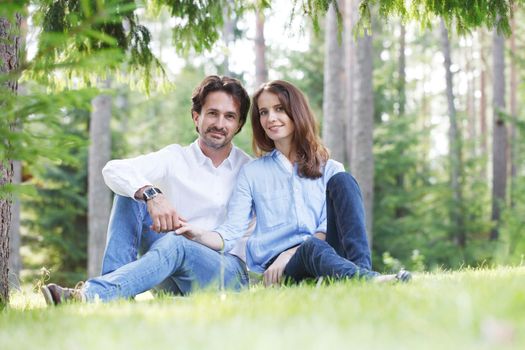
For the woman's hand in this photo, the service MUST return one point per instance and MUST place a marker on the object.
(191, 232)
(274, 273)
(210, 239)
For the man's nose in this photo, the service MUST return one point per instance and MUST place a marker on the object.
(221, 121)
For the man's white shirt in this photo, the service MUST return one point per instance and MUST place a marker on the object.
(197, 189)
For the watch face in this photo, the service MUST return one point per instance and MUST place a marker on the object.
(150, 193)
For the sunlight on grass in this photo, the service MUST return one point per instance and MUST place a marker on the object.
(469, 309)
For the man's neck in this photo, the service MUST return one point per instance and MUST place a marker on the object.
(216, 155)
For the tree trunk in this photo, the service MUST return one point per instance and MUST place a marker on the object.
(401, 82)
(261, 69)
(363, 127)
(483, 103)
(333, 92)
(99, 197)
(15, 261)
(513, 110)
(472, 134)
(9, 62)
(227, 38)
(499, 138)
(350, 18)
(456, 213)
(400, 210)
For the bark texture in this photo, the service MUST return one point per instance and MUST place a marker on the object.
(9, 63)
(454, 141)
(99, 196)
(261, 68)
(334, 86)
(363, 127)
(350, 18)
(499, 138)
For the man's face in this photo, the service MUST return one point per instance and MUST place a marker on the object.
(218, 121)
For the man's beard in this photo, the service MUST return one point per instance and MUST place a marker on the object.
(214, 143)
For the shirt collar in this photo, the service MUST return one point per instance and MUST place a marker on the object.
(282, 160)
(203, 159)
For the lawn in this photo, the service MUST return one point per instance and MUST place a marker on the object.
(469, 309)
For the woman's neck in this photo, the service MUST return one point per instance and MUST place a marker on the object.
(288, 150)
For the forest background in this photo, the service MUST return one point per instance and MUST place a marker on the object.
(426, 118)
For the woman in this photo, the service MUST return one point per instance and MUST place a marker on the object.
(310, 216)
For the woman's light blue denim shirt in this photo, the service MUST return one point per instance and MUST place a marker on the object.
(289, 208)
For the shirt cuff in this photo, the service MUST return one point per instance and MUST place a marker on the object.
(227, 244)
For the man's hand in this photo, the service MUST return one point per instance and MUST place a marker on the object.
(163, 215)
(274, 273)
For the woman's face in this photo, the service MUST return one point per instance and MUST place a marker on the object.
(274, 120)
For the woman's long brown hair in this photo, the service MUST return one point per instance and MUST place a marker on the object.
(311, 153)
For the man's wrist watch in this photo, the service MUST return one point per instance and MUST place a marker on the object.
(150, 193)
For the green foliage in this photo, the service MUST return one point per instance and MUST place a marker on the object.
(197, 24)
(303, 70)
(316, 8)
(512, 249)
(57, 220)
(88, 38)
(413, 197)
(466, 15)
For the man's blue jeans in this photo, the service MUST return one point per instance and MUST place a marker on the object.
(345, 253)
(171, 261)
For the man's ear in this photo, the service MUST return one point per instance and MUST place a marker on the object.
(195, 116)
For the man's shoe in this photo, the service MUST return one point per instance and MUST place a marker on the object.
(403, 276)
(55, 295)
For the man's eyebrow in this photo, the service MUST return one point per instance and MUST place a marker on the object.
(211, 109)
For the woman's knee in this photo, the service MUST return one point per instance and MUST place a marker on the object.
(343, 183)
(342, 178)
(314, 244)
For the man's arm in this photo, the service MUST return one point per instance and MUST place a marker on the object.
(163, 215)
(127, 176)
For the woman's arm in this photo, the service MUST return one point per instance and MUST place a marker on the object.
(274, 273)
(210, 239)
(238, 219)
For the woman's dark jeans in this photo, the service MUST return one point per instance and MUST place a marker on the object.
(345, 253)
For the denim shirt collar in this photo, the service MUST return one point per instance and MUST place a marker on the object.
(283, 161)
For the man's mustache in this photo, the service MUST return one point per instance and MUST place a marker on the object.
(214, 129)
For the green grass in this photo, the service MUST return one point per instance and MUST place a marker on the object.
(470, 309)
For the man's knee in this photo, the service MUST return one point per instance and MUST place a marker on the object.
(171, 244)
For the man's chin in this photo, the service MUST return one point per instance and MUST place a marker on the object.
(216, 143)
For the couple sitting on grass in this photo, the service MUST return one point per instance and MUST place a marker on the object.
(183, 217)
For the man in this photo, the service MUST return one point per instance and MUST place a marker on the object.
(157, 192)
